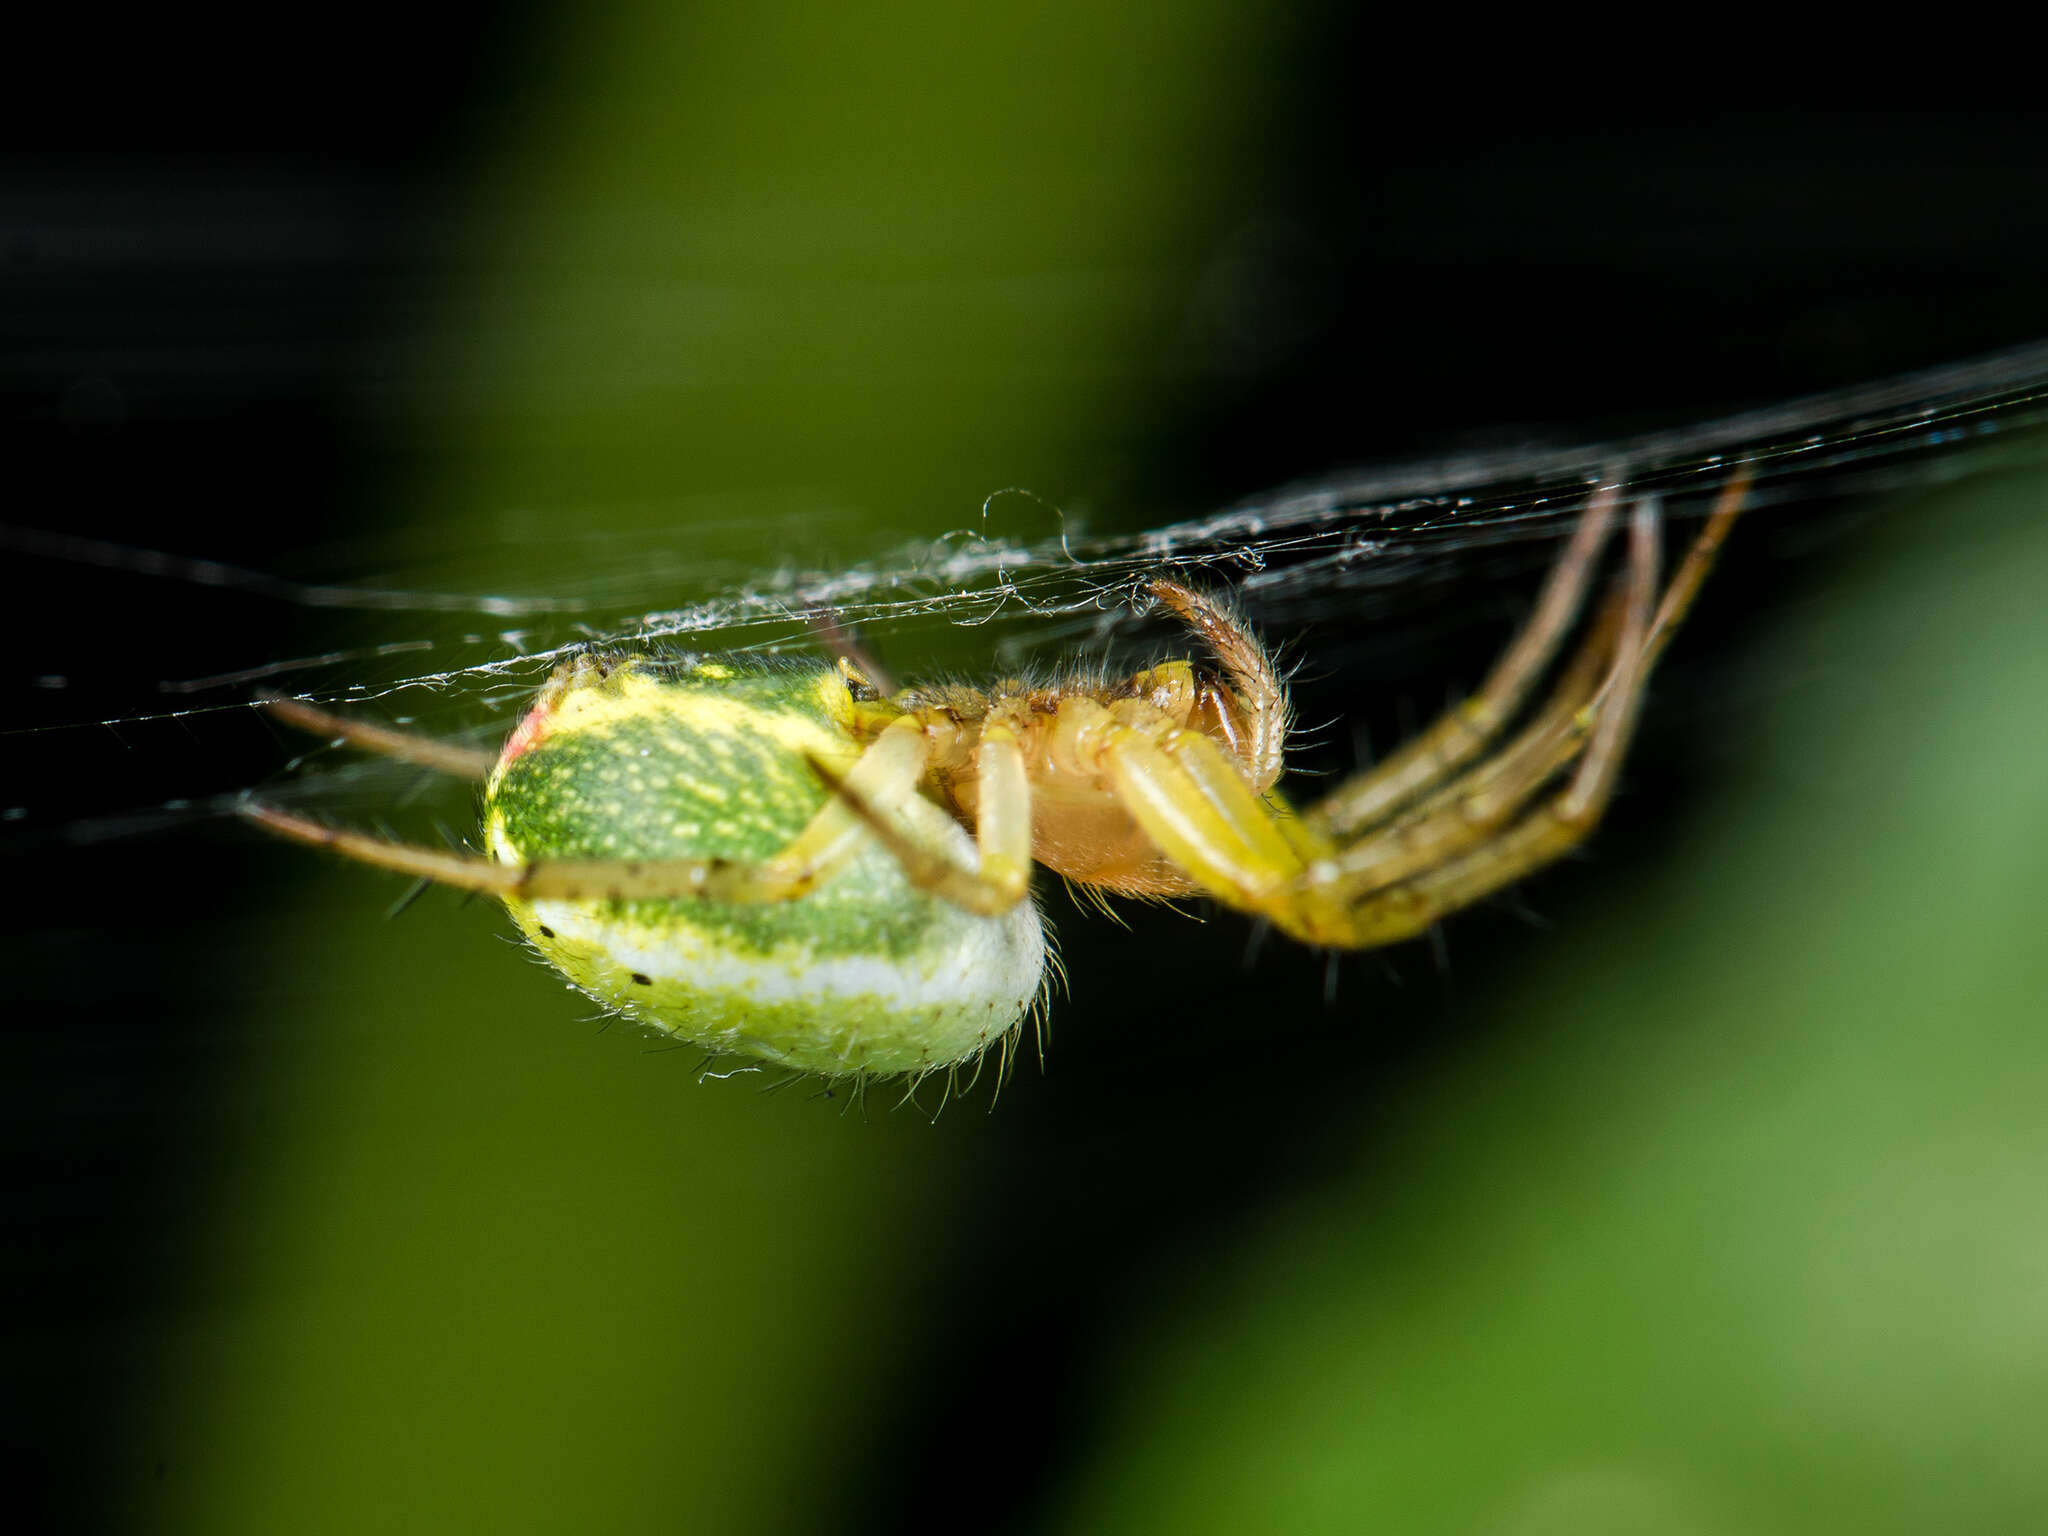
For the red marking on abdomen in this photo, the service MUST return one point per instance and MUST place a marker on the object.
(526, 735)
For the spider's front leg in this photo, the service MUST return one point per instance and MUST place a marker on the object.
(1462, 733)
(1251, 851)
(1463, 841)
(1475, 804)
(1436, 838)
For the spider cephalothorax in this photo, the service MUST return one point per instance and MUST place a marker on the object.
(794, 862)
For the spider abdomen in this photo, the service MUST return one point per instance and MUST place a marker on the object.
(647, 761)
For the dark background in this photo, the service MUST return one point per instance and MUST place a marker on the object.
(222, 260)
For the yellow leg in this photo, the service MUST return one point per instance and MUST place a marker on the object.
(1002, 826)
(1189, 798)
(1232, 851)
(887, 770)
(1463, 841)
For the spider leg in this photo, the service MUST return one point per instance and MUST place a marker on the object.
(886, 772)
(1553, 739)
(1002, 827)
(1699, 560)
(407, 747)
(1238, 849)
(1463, 732)
(1490, 793)
(1248, 668)
(1189, 798)
(1555, 827)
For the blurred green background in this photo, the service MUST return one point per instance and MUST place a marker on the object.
(1713, 1205)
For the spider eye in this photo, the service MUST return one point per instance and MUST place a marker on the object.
(858, 687)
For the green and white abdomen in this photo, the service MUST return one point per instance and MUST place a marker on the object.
(651, 760)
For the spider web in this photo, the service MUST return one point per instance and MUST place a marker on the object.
(1324, 560)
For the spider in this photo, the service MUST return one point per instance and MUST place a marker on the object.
(792, 862)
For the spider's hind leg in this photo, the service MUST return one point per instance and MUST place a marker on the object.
(783, 878)
(405, 746)
(886, 772)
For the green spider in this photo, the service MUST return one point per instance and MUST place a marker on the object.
(784, 861)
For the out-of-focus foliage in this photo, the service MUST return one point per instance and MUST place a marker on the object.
(742, 248)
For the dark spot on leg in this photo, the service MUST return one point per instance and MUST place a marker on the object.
(546, 932)
(640, 979)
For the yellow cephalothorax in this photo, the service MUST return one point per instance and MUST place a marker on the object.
(787, 861)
